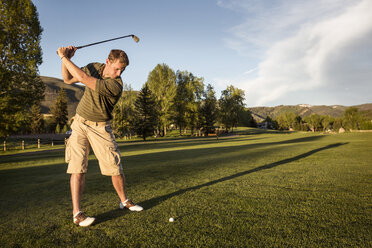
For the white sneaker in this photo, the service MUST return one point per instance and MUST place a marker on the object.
(81, 219)
(130, 205)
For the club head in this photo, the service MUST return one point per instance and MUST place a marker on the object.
(135, 38)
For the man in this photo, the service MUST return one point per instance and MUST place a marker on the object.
(92, 128)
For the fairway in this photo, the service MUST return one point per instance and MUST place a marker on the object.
(255, 189)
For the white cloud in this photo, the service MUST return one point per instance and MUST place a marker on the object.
(322, 45)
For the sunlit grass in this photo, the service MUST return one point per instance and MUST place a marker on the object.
(256, 189)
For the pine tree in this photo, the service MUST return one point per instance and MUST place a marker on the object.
(37, 121)
(20, 56)
(59, 109)
(209, 110)
(146, 113)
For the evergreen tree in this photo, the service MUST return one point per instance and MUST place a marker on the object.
(36, 118)
(146, 113)
(20, 56)
(209, 109)
(64, 129)
(162, 83)
(231, 106)
(246, 119)
(58, 128)
(59, 109)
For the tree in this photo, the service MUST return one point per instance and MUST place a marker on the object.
(124, 111)
(337, 124)
(246, 119)
(59, 109)
(314, 121)
(187, 100)
(162, 83)
(146, 113)
(209, 109)
(327, 122)
(287, 120)
(20, 56)
(351, 118)
(36, 118)
(231, 106)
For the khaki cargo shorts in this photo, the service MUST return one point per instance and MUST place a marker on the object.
(98, 136)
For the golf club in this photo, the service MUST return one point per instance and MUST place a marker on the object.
(135, 38)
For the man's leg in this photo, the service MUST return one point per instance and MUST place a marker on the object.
(77, 183)
(119, 185)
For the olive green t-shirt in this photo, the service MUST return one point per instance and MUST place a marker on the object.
(97, 105)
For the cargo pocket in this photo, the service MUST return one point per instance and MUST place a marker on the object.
(113, 156)
(68, 151)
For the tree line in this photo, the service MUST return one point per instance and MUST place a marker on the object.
(179, 100)
(351, 119)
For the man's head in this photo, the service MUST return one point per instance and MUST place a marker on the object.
(116, 63)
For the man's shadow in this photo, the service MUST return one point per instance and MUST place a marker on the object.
(148, 204)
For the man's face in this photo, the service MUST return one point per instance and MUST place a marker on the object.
(114, 68)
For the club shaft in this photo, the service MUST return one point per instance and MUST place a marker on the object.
(99, 42)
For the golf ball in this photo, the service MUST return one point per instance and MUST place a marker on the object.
(171, 219)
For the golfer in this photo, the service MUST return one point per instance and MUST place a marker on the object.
(91, 126)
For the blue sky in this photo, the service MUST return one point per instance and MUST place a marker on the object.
(278, 51)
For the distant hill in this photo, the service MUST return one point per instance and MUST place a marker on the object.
(303, 110)
(74, 93)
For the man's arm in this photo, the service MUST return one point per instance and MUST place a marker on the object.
(70, 72)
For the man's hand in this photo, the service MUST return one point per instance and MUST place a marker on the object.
(67, 52)
(71, 51)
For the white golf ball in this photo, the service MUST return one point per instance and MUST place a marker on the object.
(171, 219)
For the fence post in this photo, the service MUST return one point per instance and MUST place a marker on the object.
(38, 143)
(23, 144)
(65, 141)
(4, 146)
(52, 143)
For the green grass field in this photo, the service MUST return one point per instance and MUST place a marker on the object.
(250, 190)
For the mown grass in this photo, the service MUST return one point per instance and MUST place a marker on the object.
(251, 190)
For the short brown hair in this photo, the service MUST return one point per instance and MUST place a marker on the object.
(120, 55)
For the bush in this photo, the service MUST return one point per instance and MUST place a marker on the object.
(365, 125)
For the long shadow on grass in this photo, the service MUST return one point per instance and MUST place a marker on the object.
(155, 201)
(148, 204)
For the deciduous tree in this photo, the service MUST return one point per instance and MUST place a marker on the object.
(187, 100)
(231, 105)
(20, 56)
(124, 113)
(162, 83)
